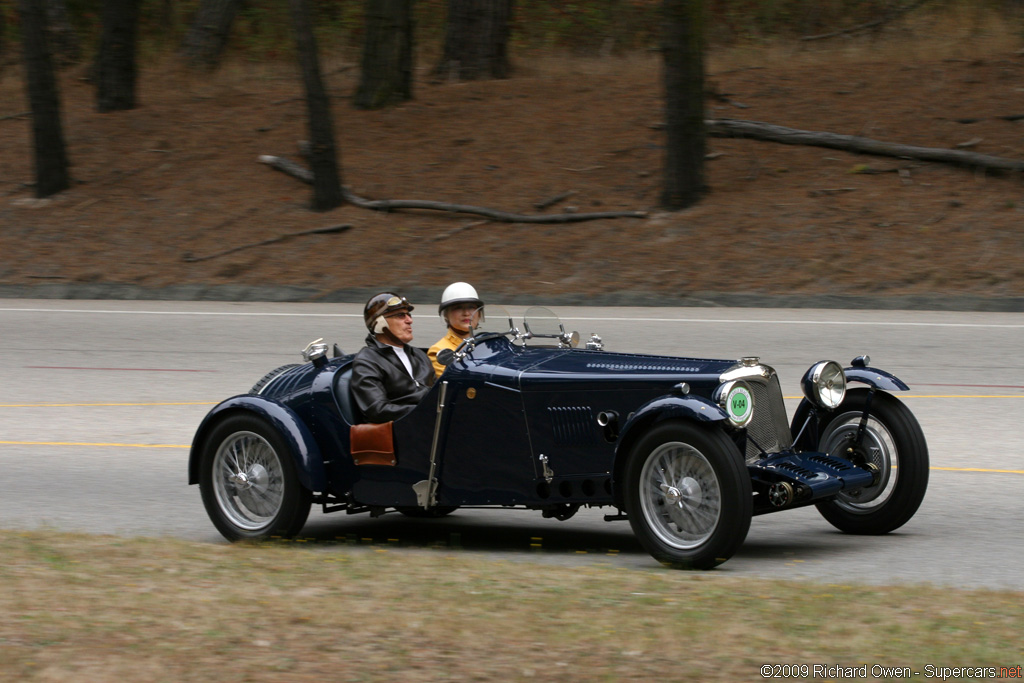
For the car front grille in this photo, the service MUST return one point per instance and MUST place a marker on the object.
(769, 429)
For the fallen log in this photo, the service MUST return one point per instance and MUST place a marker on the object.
(188, 257)
(756, 130)
(889, 16)
(305, 175)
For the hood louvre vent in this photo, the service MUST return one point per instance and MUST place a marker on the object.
(287, 381)
(573, 425)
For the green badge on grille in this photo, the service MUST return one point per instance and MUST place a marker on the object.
(740, 404)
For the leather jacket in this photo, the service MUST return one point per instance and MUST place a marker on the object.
(382, 387)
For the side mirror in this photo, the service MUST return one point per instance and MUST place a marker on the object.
(445, 357)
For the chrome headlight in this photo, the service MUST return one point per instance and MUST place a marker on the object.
(825, 384)
(737, 400)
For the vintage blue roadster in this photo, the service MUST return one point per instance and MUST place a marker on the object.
(686, 449)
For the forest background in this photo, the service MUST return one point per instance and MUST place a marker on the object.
(169, 200)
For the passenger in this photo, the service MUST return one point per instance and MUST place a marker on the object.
(389, 377)
(459, 304)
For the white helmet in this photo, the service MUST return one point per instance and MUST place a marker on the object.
(457, 293)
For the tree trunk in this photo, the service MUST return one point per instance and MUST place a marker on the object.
(208, 35)
(322, 154)
(683, 52)
(115, 62)
(387, 55)
(476, 40)
(51, 159)
(63, 39)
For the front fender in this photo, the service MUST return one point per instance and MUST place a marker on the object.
(309, 462)
(876, 379)
(873, 377)
(668, 407)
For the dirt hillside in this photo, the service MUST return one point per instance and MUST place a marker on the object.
(161, 190)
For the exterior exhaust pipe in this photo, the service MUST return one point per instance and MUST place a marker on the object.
(608, 420)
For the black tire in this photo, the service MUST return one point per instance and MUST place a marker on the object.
(263, 381)
(894, 442)
(688, 495)
(249, 483)
(435, 512)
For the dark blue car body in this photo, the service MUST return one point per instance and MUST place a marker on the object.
(555, 428)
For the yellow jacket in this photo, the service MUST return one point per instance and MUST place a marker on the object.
(448, 341)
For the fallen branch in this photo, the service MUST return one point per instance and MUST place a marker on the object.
(501, 216)
(551, 201)
(305, 175)
(332, 229)
(826, 191)
(456, 231)
(870, 24)
(733, 128)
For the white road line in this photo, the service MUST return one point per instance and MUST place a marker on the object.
(747, 321)
(258, 314)
(738, 321)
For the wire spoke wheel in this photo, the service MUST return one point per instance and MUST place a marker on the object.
(688, 495)
(680, 496)
(248, 480)
(877, 448)
(893, 442)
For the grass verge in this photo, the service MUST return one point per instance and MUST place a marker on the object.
(96, 608)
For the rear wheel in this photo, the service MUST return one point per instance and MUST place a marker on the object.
(892, 442)
(688, 495)
(248, 481)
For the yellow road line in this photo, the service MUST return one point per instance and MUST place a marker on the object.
(977, 469)
(82, 443)
(90, 405)
(960, 396)
(898, 395)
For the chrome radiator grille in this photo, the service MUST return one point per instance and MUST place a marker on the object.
(770, 427)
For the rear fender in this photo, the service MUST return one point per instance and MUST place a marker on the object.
(309, 462)
(668, 407)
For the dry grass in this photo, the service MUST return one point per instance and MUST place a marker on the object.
(108, 609)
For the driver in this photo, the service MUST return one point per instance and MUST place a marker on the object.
(389, 377)
(458, 309)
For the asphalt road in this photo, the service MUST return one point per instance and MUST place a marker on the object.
(99, 400)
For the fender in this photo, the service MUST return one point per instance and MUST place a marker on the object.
(309, 463)
(668, 407)
(873, 377)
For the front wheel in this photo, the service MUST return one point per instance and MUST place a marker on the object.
(248, 481)
(892, 442)
(688, 495)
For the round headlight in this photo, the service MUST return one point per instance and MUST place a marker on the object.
(825, 384)
(737, 400)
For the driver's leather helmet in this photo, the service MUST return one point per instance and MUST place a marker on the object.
(458, 293)
(381, 305)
